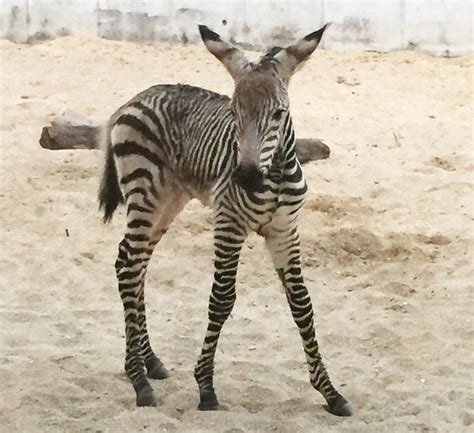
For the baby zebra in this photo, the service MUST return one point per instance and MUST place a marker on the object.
(172, 143)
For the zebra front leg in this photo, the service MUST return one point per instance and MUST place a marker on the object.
(228, 241)
(285, 251)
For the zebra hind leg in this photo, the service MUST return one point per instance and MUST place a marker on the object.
(130, 267)
(154, 366)
(145, 228)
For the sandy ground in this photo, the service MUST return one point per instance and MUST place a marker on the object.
(387, 239)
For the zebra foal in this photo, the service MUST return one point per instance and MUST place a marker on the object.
(172, 143)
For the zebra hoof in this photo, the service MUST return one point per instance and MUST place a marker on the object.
(145, 395)
(146, 398)
(206, 407)
(209, 402)
(156, 369)
(341, 407)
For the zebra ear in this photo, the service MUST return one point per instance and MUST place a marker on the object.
(295, 55)
(231, 57)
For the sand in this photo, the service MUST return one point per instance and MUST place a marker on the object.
(387, 238)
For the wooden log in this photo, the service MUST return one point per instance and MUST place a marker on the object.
(311, 149)
(70, 131)
(73, 131)
(57, 137)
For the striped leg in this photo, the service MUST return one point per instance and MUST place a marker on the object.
(228, 240)
(172, 206)
(131, 264)
(285, 251)
(146, 225)
(154, 366)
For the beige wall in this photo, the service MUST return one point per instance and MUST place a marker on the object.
(437, 26)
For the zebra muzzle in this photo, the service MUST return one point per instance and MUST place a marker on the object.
(249, 177)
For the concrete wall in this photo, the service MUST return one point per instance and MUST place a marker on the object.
(438, 26)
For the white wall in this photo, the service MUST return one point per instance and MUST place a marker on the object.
(437, 26)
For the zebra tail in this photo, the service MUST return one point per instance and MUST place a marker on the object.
(110, 195)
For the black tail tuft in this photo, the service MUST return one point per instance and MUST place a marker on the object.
(110, 195)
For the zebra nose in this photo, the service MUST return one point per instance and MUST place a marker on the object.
(248, 176)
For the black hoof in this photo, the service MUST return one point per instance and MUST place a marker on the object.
(145, 395)
(147, 399)
(156, 369)
(205, 407)
(341, 407)
(209, 402)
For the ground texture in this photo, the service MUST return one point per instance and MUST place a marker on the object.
(386, 235)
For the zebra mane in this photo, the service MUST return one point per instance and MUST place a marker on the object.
(270, 54)
(268, 60)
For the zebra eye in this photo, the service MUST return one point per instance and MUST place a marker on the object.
(277, 114)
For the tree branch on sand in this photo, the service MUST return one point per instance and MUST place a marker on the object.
(70, 131)
(74, 131)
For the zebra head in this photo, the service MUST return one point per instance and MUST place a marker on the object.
(260, 101)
